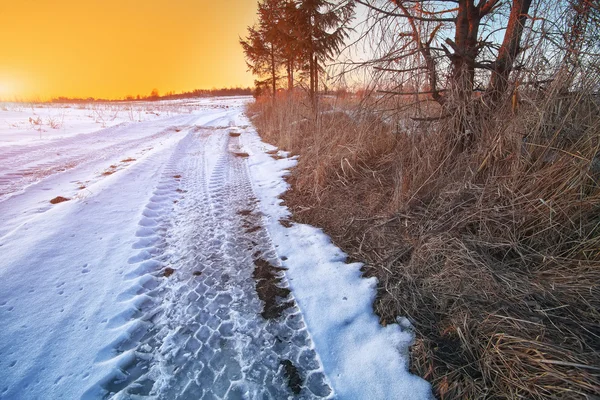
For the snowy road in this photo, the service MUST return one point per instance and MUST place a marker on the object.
(168, 275)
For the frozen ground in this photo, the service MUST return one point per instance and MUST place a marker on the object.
(167, 273)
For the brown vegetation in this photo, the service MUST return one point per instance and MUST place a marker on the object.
(58, 199)
(492, 252)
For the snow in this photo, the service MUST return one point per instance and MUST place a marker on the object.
(24, 123)
(60, 275)
(85, 307)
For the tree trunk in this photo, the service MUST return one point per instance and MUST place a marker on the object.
(311, 73)
(290, 75)
(465, 49)
(509, 50)
(316, 72)
(273, 72)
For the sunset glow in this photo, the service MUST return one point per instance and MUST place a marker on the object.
(115, 48)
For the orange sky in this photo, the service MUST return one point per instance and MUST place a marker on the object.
(113, 48)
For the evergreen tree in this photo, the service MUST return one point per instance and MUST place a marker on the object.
(291, 47)
(295, 35)
(322, 29)
(263, 45)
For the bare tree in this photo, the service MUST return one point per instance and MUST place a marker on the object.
(448, 34)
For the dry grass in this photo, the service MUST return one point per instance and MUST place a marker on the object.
(110, 170)
(336, 145)
(58, 199)
(492, 252)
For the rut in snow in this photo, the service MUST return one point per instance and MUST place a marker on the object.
(212, 315)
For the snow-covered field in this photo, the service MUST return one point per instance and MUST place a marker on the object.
(165, 271)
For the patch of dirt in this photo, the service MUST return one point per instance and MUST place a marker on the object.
(234, 134)
(244, 213)
(253, 229)
(58, 199)
(168, 272)
(293, 376)
(197, 273)
(268, 279)
(128, 160)
(177, 176)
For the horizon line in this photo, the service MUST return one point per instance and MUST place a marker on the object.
(128, 97)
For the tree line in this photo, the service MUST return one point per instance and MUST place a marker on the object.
(155, 95)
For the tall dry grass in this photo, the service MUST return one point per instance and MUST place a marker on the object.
(491, 248)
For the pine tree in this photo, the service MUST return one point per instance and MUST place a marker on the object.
(295, 35)
(263, 45)
(323, 27)
(291, 47)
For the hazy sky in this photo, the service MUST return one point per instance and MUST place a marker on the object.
(114, 48)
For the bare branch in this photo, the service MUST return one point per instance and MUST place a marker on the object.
(430, 119)
(414, 17)
(433, 92)
(399, 70)
(486, 7)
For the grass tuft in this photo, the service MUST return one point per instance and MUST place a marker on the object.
(59, 199)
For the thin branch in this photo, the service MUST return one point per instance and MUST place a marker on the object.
(430, 119)
(391, 14)
(410, 93)
(399, 70)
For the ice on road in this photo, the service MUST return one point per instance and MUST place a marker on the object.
(161, 270)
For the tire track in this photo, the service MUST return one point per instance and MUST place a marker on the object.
(213, 315)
